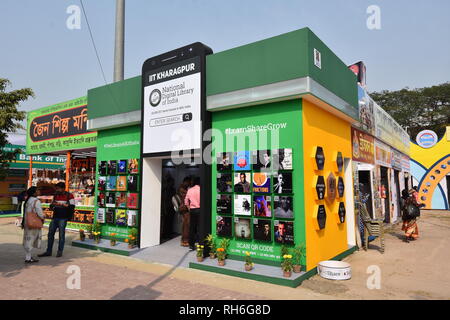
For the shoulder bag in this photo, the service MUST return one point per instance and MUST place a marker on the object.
(32, 220)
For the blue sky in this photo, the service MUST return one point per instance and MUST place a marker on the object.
(37, 50)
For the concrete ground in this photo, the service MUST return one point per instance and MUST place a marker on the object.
(415, 270)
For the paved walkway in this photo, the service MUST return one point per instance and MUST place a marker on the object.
(416, 270)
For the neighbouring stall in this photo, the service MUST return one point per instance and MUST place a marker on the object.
(61, 130)
(46, 170)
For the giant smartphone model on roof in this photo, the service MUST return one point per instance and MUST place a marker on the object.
(173, 100)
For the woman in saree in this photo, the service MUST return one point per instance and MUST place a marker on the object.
(410, 223)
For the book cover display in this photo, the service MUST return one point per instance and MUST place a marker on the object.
(101, 215)
(103, 168)
(132, 218)
(101, 200)
(133, 166)
(282, 159)
(121, 184)
(122, 167)
(132, 183)
(223, 226)
(121, 200)
(110, 199)
(262, 230)
(101, 183)
(120, 180)
(242, 205)
(132, 200)
(110, 215)
(262, 206)
(223, 204)
(224, 162)
(242, 182)
(112, 167)
(284, 232)
(224, 183)
(121, 217)
(242, 161)
(261, 160)
(283, 207)
(111, 183)
(261, 182)
(256, 188)
(242, 228)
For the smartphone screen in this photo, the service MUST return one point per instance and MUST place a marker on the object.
(173, 98)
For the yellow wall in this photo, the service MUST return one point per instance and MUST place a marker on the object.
(427, 157)
(321, 128)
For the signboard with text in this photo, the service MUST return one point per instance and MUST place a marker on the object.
(59, 127)
(22, 160)
(172, 107)
(362, 146)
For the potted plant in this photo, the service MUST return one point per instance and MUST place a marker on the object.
(132, 238)
(89, 230)
(224, 243)
(221, 254)
(211, 242)
(286, 265)
(248, 261)
(82, 235)
(299, 253)
(200, 252)
(97, 236)
(113, 240)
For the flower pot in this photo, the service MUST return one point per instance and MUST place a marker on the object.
(113, 243)
(248, 267)
(131, 246)
(97, 240)
(297, 268)
(82, 237)
(212, 255)
(91, 236)
(221, 262)
(200, 259)
(287, 274)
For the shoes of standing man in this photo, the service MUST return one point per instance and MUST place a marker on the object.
(59, 254)
(45, 254)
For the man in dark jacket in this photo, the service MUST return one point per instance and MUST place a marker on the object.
(63, 206)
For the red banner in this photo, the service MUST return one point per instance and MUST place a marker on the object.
(362, 146)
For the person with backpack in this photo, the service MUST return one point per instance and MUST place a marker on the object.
(32, 223)
(410, 214)
(63, 207)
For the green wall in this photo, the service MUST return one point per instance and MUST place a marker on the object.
(290, 113)
(118, 97)
(117, 144)
(284, 57)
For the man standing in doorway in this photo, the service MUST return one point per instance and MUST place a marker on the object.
(63, 206)
(192, 201)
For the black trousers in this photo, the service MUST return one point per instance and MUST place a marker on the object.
(194, 220)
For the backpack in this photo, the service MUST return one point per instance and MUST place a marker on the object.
(412, 211)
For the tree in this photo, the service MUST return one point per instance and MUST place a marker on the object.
(418, 109)
(10, 118)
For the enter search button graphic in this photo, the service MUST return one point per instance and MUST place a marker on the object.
(164, 121)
